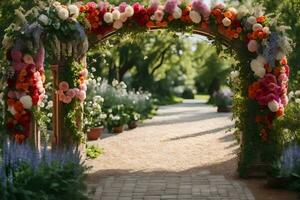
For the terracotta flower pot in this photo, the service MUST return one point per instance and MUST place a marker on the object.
(118, 129)
(132, 125)
(95, 133)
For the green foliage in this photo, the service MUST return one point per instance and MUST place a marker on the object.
(188, 93)
(93, 152)
(72, 112)
(93, 114)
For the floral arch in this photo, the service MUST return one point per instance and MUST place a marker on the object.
(65, 31)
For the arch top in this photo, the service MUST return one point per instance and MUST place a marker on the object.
(261, 43)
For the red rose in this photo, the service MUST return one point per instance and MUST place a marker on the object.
(136, 7)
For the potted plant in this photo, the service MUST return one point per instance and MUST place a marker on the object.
(94, 118)
(117, 118)
(223, 100)
(133, 120)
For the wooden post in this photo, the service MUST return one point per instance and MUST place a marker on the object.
(55, 117)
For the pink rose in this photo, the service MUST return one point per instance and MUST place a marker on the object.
(81, 95)
(83, 87)
(284, 100)
(84, 73)
(67, 99)
(252, 46)
(16, 55)
(28, 59)
(282, 78)
(61, 94)
(159, 15)
(71, 93)
(64, 86)
(122, 7)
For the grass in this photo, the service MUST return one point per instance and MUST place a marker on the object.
(93, 152)
(202, 97)
(169, 101)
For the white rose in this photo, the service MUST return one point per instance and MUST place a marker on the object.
(74, 11)
(129, 11)
(44, 19)
(116, 14)
(260, 72)
(297, 101)
(261, 59)
(118, 24)
(195, 17)
(255, 65)
(242, 12)
(108, 17)
(63, 13)
(251, 20)
(273, 106)
(257, 27)
(280, 55)
(177, 13)
(266, 30)
(26, 101)
(123, 17)
(233, 10)
(226, 21)
(234, 75)
(297, 93)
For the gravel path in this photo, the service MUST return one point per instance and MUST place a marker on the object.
(188, 143)
(181, 137)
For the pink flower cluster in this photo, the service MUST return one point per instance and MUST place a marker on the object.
(67, 94)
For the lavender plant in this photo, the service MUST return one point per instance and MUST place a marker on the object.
(27, 173)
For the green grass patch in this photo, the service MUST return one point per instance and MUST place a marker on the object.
(93, 152)
(202, 97)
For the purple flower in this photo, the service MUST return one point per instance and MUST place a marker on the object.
(201, 7)
(170, 6)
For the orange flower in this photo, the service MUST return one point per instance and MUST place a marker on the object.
(252, 90)
(280, 112)
(261, 19)
(228, 14)
(18, 106)
(277, 71)
(284, 61)
(19, 138)
(150, 24)
(261, 35)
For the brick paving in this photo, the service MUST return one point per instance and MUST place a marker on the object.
(176, 155)
(168, 186)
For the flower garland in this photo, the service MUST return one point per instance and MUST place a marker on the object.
(265, 41)
(25, 91)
